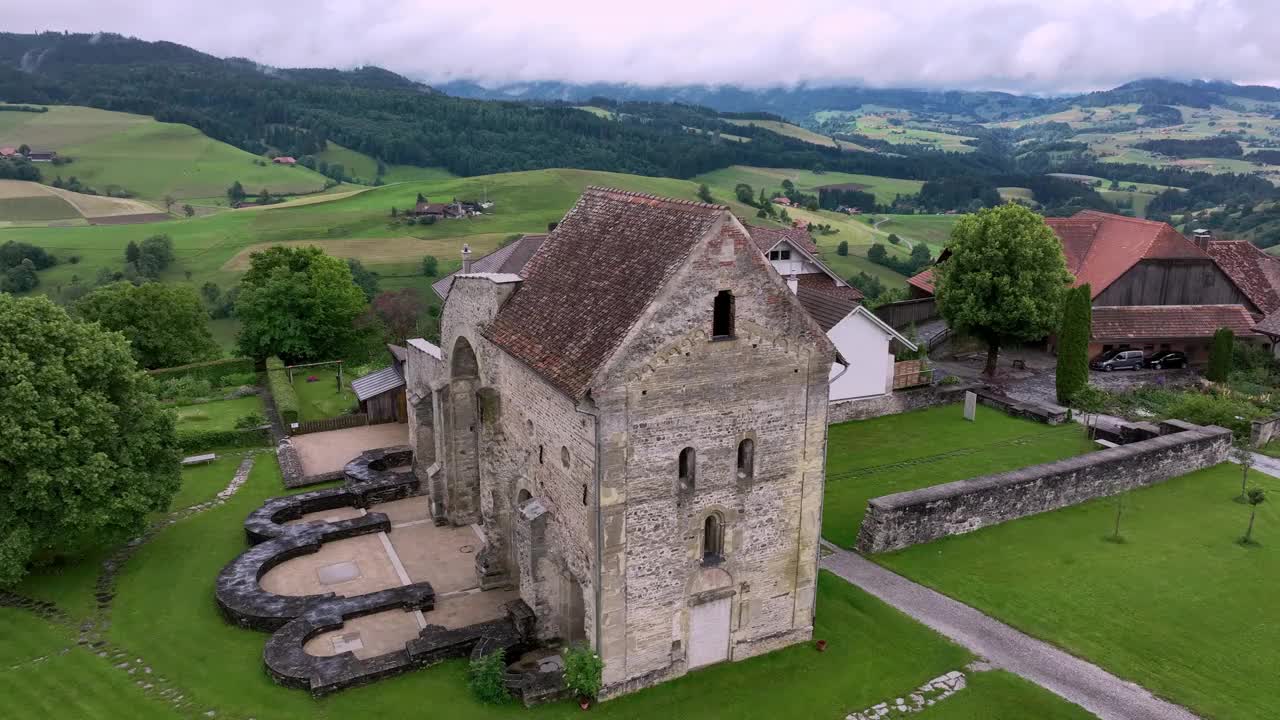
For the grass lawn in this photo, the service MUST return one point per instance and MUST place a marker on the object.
(202, 482)
(1179, 607)
(789, 130)
(163, 613)
(225, 331)
(320, 399)
(865, 459)
(217, 415)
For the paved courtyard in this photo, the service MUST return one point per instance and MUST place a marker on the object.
(326, 452)
(415, 550)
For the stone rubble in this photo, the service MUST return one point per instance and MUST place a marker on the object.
(930, 693)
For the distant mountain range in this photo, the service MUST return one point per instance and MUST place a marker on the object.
(800, 102)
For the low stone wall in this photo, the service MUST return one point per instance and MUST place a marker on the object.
(1038, 412)
(910, 518)
(1263, 430)
(899, 401)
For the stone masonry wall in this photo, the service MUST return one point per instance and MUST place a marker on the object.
(910, 518)
(1263, 430)
(675, 387)
(525, 430)
(899, 401)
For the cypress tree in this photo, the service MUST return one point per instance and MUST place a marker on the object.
(1220, 355)
(1073, 344)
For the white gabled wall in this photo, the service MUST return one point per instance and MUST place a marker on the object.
(865, 345)
(797, 265)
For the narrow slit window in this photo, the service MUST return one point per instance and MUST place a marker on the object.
(712, 539)
(688, 468)
(722, 315)
(746, 459)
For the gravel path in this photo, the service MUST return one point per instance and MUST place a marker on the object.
(1080, 682)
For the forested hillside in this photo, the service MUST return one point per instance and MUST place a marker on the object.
(388, 117)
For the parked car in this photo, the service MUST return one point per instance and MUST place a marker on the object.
(1167, 359)
(1118, 360)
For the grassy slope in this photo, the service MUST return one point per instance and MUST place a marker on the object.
(148, 158)
(36, 208)
(524, 202)
(863, 457)
(789, 130)
(1179, 607)
(203, 482)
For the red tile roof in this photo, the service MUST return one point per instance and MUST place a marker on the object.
(766, 238)
(1256, 273)
(1100, 247)
(923, 280)
(816, 282)
(593, 277)
(1149, 322)
(510, 258)
(1270, 325)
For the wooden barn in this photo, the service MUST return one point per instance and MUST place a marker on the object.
(381, 393)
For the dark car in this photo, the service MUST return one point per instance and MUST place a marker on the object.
(1118, 360)
(1167, 359)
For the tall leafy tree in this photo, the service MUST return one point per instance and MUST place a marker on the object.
(1005, 279)
(86, 452)
(1073, 343)
(399, 312)
(165, 325)
(298, 303)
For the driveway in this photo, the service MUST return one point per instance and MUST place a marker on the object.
(1078, 681)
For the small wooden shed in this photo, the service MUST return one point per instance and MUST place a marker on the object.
(382, 393)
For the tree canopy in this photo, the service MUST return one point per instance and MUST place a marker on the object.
(1005, 278)
(86, 452)
(1073, 343)
(166, 325)
(298, 303)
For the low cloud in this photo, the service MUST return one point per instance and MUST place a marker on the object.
(1020, 45)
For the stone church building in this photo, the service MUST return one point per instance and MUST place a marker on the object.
(636, 426)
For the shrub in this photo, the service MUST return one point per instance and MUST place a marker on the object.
(1073, 344)
(1220, 354)
(200, 440)
(237, 379)
(486, 678)
(184, 389)
(1216, 409)
(843, 248)
(282, 392)
(582, 669)
(1090, 399)
(250, 421)
(212, 370)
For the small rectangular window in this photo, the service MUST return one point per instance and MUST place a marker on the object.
(784, 254)
(722, 315)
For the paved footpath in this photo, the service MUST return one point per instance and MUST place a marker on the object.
(1080, 682)
(1263, 463)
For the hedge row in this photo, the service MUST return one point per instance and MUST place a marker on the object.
(286, 398)
(204, 440)
(211, 370)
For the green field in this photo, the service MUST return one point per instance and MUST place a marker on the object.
(896, 453)
(1178, 607)
(163, 614)
(45, 207)
(149, 159)
(789, 130)
(885, 189)
(879, 128)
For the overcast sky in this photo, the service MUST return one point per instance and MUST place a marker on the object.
(1028, 45)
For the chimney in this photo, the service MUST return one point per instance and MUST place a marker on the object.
(466, 258)
(794, 283)
(1202, 238)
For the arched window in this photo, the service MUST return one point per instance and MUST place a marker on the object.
(722, 315)
(746, 459)
(712, 539)
(688, 468)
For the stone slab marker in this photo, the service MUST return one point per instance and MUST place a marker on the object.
(970, 405)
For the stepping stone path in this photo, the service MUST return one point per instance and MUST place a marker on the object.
(928, 694)
(90, 631)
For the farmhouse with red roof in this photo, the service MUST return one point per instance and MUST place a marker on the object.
(1153, 288)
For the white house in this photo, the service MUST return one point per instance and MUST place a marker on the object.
(863, 340)
(860, 337)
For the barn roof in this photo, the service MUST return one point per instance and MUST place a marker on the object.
(510, 259)
(1101, 247)
(1147, 322)
(1256, 273)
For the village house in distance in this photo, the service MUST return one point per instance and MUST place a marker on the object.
(636, 423)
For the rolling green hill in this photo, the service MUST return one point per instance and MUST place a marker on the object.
(149, 159)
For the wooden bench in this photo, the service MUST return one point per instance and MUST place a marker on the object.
(199, 459)
(1106, 443)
